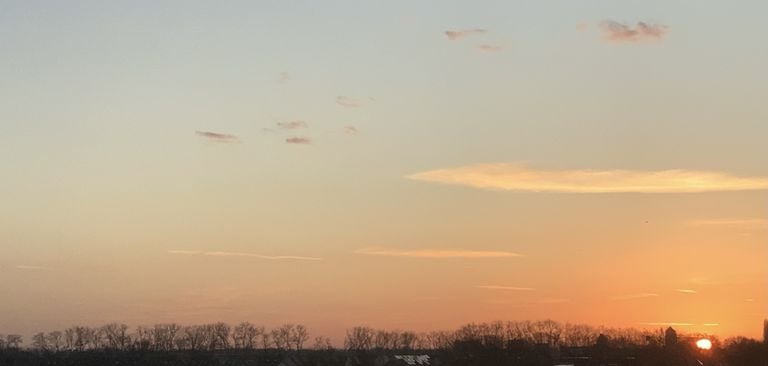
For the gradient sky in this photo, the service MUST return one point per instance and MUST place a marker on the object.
(342, 163)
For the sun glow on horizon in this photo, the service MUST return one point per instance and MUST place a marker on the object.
(704, 344)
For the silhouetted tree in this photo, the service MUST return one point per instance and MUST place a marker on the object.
(299, 335)
(359, 338)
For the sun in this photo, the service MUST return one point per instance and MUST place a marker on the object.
(704, 344)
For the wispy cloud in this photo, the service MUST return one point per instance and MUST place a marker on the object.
(686, 291)
(347, 102)
(458, 34)
(711, 324)
(292, 125)
(217, 137)
(298, 140)
(634, 296)
(488, 48)
(668, 324)
(32, 268)
(243, 254)
(519, 177)
(618, 32)
(553, 301)
(749, 223)
(351, 130)
(437, 253)
(505, 288)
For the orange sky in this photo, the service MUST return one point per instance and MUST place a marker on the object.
(599, 162)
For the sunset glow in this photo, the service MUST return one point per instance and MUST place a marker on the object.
(399, 165)
(704, 344)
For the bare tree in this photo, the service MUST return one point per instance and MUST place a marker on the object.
(282, 336)
(13, 341)
(116, 336)
(323, 343)
(55, 340)
(299, 336)
(246, 335)
(407, 340)
(266, 340)
(39, 341)
(221, 335)
(142, 338)
(359, 338)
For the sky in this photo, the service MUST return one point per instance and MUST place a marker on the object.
(398, 164)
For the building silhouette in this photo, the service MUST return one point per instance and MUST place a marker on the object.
(765, 331)
(670, 337)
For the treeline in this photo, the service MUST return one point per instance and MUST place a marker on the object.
(170, 337)
(221, 336)
(499, 334)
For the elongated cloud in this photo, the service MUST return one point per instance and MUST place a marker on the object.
(488, 48)
(519, 177)
(740, 223)
(686, 291)
(32, 268)
(458, 34)
(437, 253)
(553, 301)
(292, 125)
(217, 137)
(244, 254)
(347, 102)
(634, 296)
(298, 140)
(617, 32)
(668, 324)
(505, 288)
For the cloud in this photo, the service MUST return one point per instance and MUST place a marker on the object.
(284, 76)
(685, 291)
(243, 254)
(347, 102)
(553, 301)
(437, 253)
(505, 288)
(668, 324)
(488, 48)
(217, 137)
(711, 324)
(292, 125)
(458, 34)
(32, 268)
(617, 32)
(752, 223)
(351, 130)
(519, 177)
(298, 140)
(634, 296)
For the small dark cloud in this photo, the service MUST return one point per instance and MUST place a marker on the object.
(347, 102)
(298, 140)
(217, 137)
(351, 130)
(291, 125)
(458, 34)
(618, 32)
